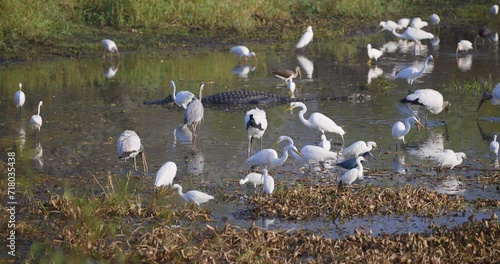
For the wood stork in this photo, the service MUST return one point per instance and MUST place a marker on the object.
(414, 34)
(400, 129)
(430, 99)
(494, 146)
(305, 39)
(359, 147)
(182, 98)
(194, 112)
(483, 32)
(268, 182)
(269, 157)
(256, 125)
(194, 196)
(36, 120)
(166, 174)
(253, 177)
(449, 159)
(109, 46)
(463, 45)
(351, 163)
(373, 53)
(129, 146)
(19, 99)
(243, 53)
(288, 74)
(493, 97)
(412, 73)
(351, 175)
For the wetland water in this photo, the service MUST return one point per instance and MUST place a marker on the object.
(88, 103)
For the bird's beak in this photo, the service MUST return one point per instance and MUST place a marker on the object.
(369, 63)
(275, 143)
(298, 153)
(288, 109)
(144, 163)
(456, 53)
(486, 96)
(420, 124)
(300, 74)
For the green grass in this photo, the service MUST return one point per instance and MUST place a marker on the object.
(471, 87)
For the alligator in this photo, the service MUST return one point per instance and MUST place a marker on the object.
(246, 99)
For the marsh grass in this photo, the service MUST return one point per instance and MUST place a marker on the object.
(472, 87)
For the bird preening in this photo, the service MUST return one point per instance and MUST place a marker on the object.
(129, 146)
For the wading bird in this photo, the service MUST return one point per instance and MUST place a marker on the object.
(430, 99)
(359, 147)
(268, 182)
(268, 158)
(317, 121)
(373, 53)
(494, 9)
(418, 23)
(324, 143)
(351, 163)
(463, 45)
(291, 87)
(493, 97)
(483, 32)
(194, 196)
(400, 129)
(253, 177)
(449, 159)
(494, 146)
(404, 22)
(36, 120)
(414, 34)
(351, 175)
(166, 174)
(388, 25)
(288, 74)
(129, 146)
(310, 153)
(194, 112)
(243, 53)
(256, 125)
(412, 73)
(434, 18)
(305, 39)
(182, 98)
(109, 46)
(19, 99)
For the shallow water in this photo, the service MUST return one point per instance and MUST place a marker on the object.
(88, 103)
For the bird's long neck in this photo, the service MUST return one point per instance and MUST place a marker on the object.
(407, 125)
(285, 155)
(173, 90)
(201, 89)
(396, 33)
(179, 191)
(423, 68)
(495, 138)
(301, 116)
(20, 86)
(39, 108)
(360, 167)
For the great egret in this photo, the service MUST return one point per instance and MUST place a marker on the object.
(109, 46)
(400, 129)
(268, 182)
(36, 120)
(351, 163)
(413, 34)
(359, 147)
(253, 177)
(129, 146)
(463, 45)
(256, 125)
(194, 112)
(269, 157)
(404, 22)
(483, 32)
(418, 23)
(288, 74)
(388, 25)
(305, 39)
(412, 73)
(449, 159)
(494, 9)
(182, 98)
(430, 99)
(324, 143)
(310, 153)
(494, 146)
(317, 121)
(166, 174)
(19, 99)
(290, 142)
(351, 175)
(493, 97)
(373, 53)
(194, 196)
(243, 53)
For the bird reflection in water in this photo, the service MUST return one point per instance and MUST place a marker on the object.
(110, 72)
(38, 156)
(399, 165)
(242, 70)
(195, 162)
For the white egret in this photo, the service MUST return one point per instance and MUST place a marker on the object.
(324, 143)
(373, 53)
(290, 142)
(256, 125)
(310, 153)
(414, 34)
(268, 182)
(194, 196)
(269, 157)
(430, 99)
(182, 98)
(418, 23)
(129, 146)
(388, 25)
(253, 177)
(404, 22)
(493, 97)
(317, 121)
(243, 53)
(291, 87)
(434, 18)
(494, 146)
(288, 74)
(400, 129)
(19, 99)
(463, 45)
(351, 175)
(36, 120)
(351, 163)
(494, 9)
(305, 39)
(359, 147)
(449, 159)
(109, 46)
(194, 112)
(412, 73)
(166, 174)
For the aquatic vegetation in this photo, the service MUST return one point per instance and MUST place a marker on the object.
(472, 87)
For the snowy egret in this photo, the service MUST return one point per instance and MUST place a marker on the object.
(182, 98)
(494, 146)
(463, 45)
(256, 125)
(269, 157)
(317, 121)
(109, 46)
(194, 112)
(351, 163)
(449, 159)
(253, 177)
(412, 73)
(359, 147)
(243, 53)
(194, 196)
(430, 99)
(373, 53)
(326, 144)
(268, 182)
(388, 25)
(166, 174)
(288, 74)
(418, 23)
(404, 22)
(351, 175)
(494, 9)
(413, 34)
(36, 120)
(291, 87)
(305, 39)
(483, 32)
(19, 99)
(493, 97)
(129, 146)
(400, 129)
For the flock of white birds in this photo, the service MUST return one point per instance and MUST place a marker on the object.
(129, 144)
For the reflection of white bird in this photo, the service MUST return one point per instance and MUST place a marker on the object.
(242, 70)
(359, 147)
(269, 157)
(450, 186)
(38, 156)
(464, 63)
(19, 99)
(194, 196)
(194, 111)
(326, 144)
(307, 65)
(253, 177)
(243, 53)
(109, 46)
(493, 97)
(398, 164)
(404, 22)
(256, 125)
(412, 73)
(111, 71)
(195, 162)
(317, 121)
(268, 182)
(373, 53)
(418, 23)
(449, 159)
(463, 45)
(430, 148)
(388, 25)
(430, 99)
(291, 87)
(414, 35)
(182, 98)
(166, 174)
(400, 129)
(305, 39)
(351, 175)
(494, 146)
(374, 73)
(494, 9)
(288, 74)
(129, 146)
(36, 120)
(183, 135)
